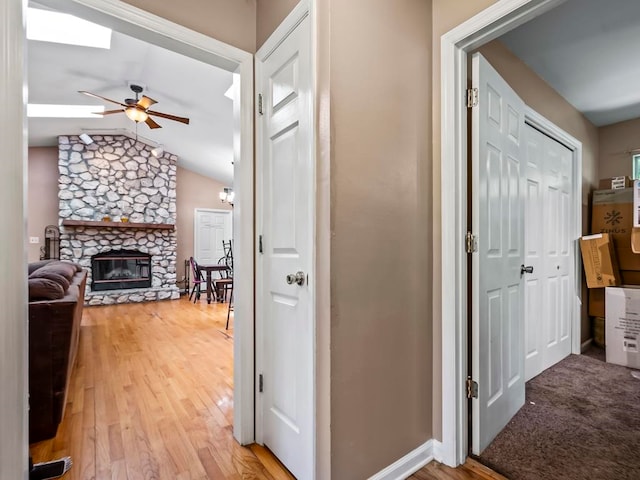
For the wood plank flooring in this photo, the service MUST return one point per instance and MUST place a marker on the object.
(471, 470)
(151, 397)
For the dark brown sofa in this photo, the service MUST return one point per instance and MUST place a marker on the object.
(56, 298)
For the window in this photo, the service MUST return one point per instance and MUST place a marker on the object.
(636, 167)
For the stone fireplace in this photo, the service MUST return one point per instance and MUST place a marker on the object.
(117, 205)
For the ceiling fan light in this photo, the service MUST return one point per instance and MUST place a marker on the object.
(136, 114)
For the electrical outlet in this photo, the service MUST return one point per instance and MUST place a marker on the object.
(34, 239)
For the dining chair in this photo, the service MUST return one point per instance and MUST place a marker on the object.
(198, 280)
(224, 284)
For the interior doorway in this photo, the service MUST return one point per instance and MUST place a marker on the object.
(484, 27)
(161, 32)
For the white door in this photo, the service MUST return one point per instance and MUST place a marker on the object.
(285, 323)
(497, 336)
(549, 250)
(211, 227)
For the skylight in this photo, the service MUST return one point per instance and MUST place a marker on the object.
(64, 111)
(56, 27)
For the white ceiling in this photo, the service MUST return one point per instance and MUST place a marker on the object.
(181, 86)
(587, 50)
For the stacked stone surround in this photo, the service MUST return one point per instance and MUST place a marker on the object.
(118, 177)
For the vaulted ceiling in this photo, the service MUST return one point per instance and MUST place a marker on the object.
(181, 85)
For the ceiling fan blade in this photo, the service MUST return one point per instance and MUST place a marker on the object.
(152, 124)
(145, 102)
(101, 97)
(109, 112)
(170, 117)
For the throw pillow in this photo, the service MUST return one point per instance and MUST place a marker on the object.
(44, 289)
(66, 269)
(33, 266)
(51, 275)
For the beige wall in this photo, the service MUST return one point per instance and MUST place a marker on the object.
(616, 143)
(380, 70)
(193, 191)
(270, 14)
(42, 195)
(230, 21)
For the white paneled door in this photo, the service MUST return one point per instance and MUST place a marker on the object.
(285, 299)
(211, 227)
(498, 185)
(549, 249)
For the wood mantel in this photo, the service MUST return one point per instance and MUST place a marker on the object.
(129, 225)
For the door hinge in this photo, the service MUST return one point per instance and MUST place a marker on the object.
(260, 104)
(472, 97)
(472, 388)
(259, 243)
(260, 385)
(471, 242)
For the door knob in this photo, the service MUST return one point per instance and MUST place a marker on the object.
(527, 269)
(297, 277)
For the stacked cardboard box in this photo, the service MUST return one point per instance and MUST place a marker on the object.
(622, 329)
(616, 212)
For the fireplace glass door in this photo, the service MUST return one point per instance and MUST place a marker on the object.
(119, 270)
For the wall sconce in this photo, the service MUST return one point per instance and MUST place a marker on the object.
(158, 151)
(227, 195)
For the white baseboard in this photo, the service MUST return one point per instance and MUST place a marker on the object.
(586, 345)
(410, 463)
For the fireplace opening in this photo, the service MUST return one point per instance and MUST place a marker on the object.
(120, 269)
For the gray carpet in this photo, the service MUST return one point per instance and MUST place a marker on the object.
(581, 420)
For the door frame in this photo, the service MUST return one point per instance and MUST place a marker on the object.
(317, 279)
(195, 224)
(167, 34)
(487, 25)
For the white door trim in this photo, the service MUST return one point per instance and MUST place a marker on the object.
(320, 393)
(14, 362)
(480, 29)
(175, 37)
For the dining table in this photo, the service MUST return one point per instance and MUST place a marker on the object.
(214, 267)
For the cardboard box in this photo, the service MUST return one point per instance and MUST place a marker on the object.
(599, 260)
(614, 183)
(627, 260)
(622, 326)
(596, 302)
(599, 335)
(612, 213)
(629, 277)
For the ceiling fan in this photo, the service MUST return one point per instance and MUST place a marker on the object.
(137, 109)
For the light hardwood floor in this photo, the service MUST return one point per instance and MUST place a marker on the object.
(471, 470)
(151, 398)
